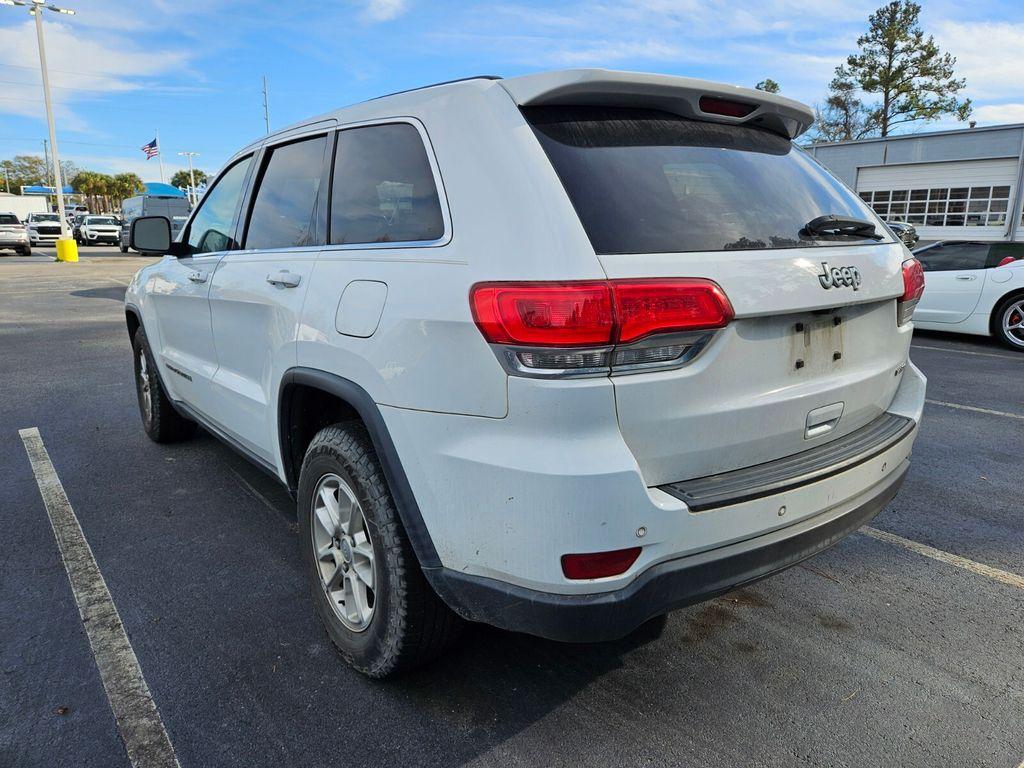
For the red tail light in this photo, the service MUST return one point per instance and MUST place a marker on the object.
(596, 313)
(544, 314)
(647, 307)
(598, 565)
(913, 289)
(713, 106)
(1006, 260)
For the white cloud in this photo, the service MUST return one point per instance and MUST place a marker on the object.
(996, 114)
(988, 54)
(384, 10)
(82, 66)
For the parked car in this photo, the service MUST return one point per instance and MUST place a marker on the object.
(13, 234)
(43, 228)
(175, 208)
(96, 230)
(76, 226)
(974, 287)
(558, 353)
(905, 232)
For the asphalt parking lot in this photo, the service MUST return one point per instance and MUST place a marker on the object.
(876, 653)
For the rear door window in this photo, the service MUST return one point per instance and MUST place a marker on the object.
(652, 182)
(287, 211)
(384, 190)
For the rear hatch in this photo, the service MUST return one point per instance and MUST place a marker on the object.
(815, 349)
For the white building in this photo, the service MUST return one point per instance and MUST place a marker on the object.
(954, 185)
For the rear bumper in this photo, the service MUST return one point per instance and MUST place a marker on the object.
(663, 587)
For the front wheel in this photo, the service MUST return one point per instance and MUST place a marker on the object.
(366, 583)
(1008, 322)
(162, 423)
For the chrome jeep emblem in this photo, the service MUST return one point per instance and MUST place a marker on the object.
(837, 277)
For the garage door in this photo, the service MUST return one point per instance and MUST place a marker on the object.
(943, 200)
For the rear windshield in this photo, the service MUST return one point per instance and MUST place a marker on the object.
(8, 218)
(652, 182)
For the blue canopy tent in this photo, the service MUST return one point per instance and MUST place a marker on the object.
(164, 190)
(41, 190)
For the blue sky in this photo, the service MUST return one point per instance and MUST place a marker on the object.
(193, 68)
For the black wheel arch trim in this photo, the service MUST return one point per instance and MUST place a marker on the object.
(369, 412)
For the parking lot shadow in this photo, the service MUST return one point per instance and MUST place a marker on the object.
(113, 292)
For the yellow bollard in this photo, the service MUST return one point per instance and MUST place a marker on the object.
(67, 250)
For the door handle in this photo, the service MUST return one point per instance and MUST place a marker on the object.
(284, 278)
(966, 277)
(197, 276)
(823, 420)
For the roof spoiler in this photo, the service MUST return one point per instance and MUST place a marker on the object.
(682, 96)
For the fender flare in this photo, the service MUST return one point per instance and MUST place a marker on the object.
(369, 412)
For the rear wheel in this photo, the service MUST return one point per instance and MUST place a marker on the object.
(26, 251)
(162, 423)
(366, 583)
(1008, 322)
(124, 248)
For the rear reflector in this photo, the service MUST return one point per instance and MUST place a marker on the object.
(596, 313)
(712, 106)
(913, 289)
(598, 565)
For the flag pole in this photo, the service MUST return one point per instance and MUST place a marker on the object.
(160, 155)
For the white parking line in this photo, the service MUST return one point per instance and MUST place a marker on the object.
(1004, 577)
(966, 352)
(142, 730)
(974, 408)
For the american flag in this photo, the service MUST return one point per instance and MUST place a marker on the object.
(151, 149)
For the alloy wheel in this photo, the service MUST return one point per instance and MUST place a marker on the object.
(1013, 323)
(344, 552)
(145, 392)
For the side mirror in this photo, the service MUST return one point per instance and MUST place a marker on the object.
(150, 234)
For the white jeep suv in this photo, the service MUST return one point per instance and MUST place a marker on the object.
(558, 353)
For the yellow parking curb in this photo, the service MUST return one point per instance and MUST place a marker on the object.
(67, 250)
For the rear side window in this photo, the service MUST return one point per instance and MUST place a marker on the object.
(384, 189)
(999, 251)
(287, 211)
(946, 257)
(652, 182)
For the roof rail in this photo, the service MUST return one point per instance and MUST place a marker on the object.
(435, 85)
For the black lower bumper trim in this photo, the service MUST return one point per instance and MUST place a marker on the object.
(808, 466)
(662, 588)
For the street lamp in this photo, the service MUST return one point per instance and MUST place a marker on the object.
(191, 176)
(66, 250)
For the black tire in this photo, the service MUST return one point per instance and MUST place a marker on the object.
(1014, 343)
(162, 423)
(123, 248)
(25, 251)
(410, 625)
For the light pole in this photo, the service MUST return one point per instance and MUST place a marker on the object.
(191, 176)
(66, 250)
